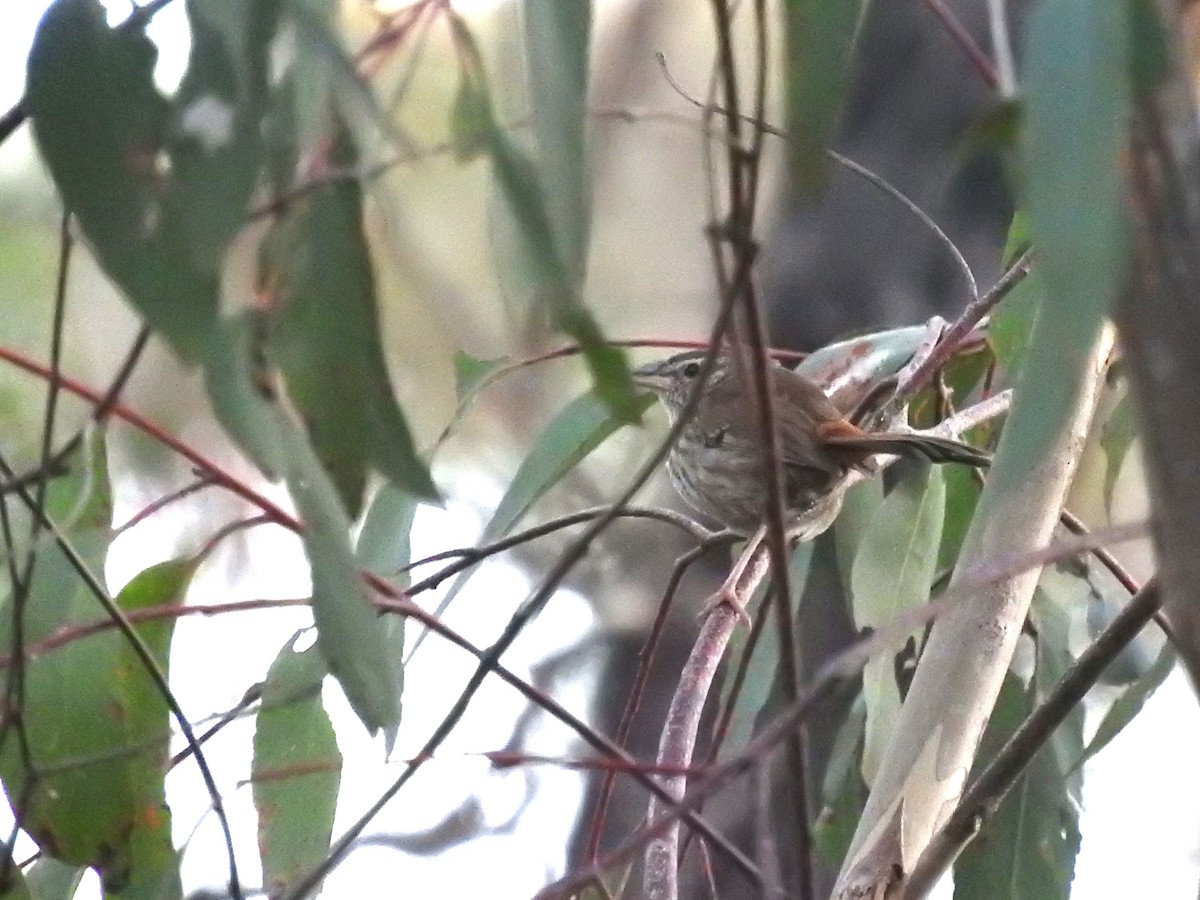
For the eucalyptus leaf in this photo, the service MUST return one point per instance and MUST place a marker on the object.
(324, 335)
(556, 38)
(577, 430)
(100, 136)
(1077, 111)
(96, 731)
(542, 277)
(821, 38)
(350, 637)
(843, 791)
(296, 770)
(1128, 704)
(893, 571)
(1116, 435)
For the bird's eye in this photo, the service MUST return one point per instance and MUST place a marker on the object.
(691, 370)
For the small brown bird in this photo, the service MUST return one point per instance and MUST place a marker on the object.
(716, 464)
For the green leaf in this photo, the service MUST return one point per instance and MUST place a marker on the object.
(216, 142)
(821, 37)
(577, 430)
(1126, 707)
(470, 373)
(962, 496)
(297, 769)
(858, 510)
(349, 633)
(18, 888)
(350, 636)
(383, 545)
(1011, 324)
(100, 137)
(1149, 47)
(1116, 435)
(1075, 129)
(893, 570)
(50, 879)
(326, 81)
(96, 731)
(556, 38)
(243, 390)
(843, 791)
(470, 119)
(535, 271)
(325, 337)
(1028, 848)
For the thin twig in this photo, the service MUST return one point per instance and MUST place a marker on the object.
(960, 329)
(979, 60)
(1006, 77)
(527, 611)
(872, 178)
(640, 679)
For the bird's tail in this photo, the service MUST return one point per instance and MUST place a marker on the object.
(934, 449)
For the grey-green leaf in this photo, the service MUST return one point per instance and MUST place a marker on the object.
(556, 39)
(821, 36)
(1077, 111)
(325, 337)
(1130, 702)
(101, 135)
(893, 571)
(576, 431)
(349, 634)
(296, 770)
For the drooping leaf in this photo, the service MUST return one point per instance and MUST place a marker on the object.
(843, 791)
(383, 545)
(858, 511)
(1012, 322)
(96, 730)
(50, 879)
(962, 495)
(325, 337)
(577, 430)
(100, 136)
(158, 188)
(350, 636)
(1126, 707)
(1149, 47)
(1077, 112)
(1116, 435)
(556, 39)
(893, 571)
(296, 770)
(535, 270)
(215, 140)
(329, 84)
(821, 36)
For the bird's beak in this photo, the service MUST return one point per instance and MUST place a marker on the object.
(650, 378)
